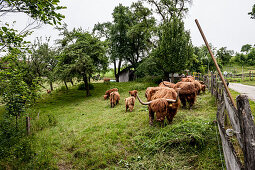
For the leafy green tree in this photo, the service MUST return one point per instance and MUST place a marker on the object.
(40, 10)
(246, 48)
(174, 48)
(118, 38)
(140, 33)
(18, 85)
(43, 60)
(82, 56)
(18, 90)
(224, 55)
(128, 36)
(251, 57)
(252, 13)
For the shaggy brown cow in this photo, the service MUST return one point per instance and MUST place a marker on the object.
(48, 91)
(166, 84)
(106, 80)
(163, 106)
(114, 98)
(198, 85)
(130, 103)
(150, 91)
(133, 93)
(187, 93)
(105, 97)
(108, 92)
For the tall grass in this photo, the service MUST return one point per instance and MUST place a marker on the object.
(72, 131)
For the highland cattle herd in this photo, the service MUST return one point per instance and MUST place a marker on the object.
(163, 100)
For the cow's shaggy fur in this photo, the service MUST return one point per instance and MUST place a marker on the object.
(114, 98)
(187, 93)
(133, 93)
(130, 103)
(197, 84)
(158, 96)
(106, 80)
(166, 84)
(150, 91)
(108, 92)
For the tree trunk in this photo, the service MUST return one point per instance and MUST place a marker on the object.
(66, 85)
(71, 81)
(85, 80)
(115, 71)
(119, 65)
(51, 86)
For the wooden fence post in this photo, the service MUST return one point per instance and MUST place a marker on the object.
(247, 129)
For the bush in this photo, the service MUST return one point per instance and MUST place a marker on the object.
(82, 86)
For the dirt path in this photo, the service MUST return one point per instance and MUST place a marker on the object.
(243, 89)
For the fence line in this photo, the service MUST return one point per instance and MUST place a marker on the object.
(236, 127)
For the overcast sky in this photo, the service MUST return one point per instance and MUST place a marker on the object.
(224, 22)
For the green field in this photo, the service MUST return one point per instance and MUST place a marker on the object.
(72, 131)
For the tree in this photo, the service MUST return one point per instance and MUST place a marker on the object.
(252, 13)
(18, 86)
(40, 10)
(128, 36)
(224, 55)
(246, 48)
(174, 47)
(82, 56)
(139, 33)
(43, 60)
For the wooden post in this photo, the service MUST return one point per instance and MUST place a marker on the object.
(28, 125)
(250, 75)
(215, 62)
(247, 130)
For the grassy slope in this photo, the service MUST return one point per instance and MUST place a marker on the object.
(74, 131)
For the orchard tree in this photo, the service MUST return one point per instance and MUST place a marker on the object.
(81, 57)
(43, 60)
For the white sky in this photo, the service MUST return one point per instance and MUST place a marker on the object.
(224, 22)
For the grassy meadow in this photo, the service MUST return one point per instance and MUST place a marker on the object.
(72, 131)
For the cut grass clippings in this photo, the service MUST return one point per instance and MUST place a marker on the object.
(72, 131)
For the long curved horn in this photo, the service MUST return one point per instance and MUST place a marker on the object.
(165, 84)
(143, 103)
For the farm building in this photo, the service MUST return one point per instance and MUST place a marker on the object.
(126, 75)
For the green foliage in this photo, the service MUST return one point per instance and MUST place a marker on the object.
(252, 13)
(39, 10)
(224, 55)
(15, 147)
(128, 36)
(246, 48)
(82, 56)
(18, 90)
(174, 49)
